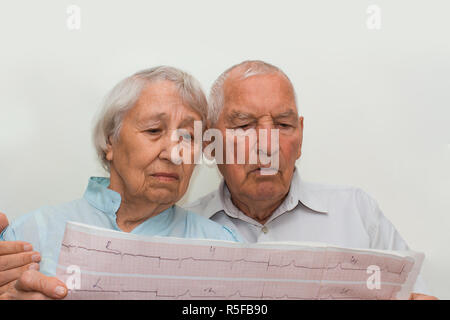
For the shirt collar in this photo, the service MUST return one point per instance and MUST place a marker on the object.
(300, 191)
(309, 194)
(101, 197)
(108, 201)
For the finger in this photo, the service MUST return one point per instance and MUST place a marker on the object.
(33, 280)
(12, 261)
(10, 247)
(3, 221)
(419, 296)
(13, 294)
(8, 286)
(14, 274)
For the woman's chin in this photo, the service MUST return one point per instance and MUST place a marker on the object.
(163, 196)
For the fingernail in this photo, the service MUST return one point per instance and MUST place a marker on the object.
(60, 291)
(33, 266)
(36, 257)
(27, 247)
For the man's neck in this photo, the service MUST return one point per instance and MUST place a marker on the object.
(260, 211)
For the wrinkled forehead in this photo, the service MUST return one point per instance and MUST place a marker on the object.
(159, 94)
(262, 93)
(162, 101)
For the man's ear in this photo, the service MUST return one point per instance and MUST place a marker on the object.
(300, 126)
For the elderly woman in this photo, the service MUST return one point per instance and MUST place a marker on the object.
(133, 138)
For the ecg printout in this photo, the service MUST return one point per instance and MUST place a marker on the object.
(119, 265)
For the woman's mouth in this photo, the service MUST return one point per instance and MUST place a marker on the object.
(165, 176)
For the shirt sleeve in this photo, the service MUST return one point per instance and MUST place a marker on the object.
(24, 228)
(8, 234)
(383, 234)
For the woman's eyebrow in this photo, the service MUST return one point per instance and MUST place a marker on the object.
(188, 122)
(152, 119)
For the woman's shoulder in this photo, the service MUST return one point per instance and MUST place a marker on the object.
(48, 215)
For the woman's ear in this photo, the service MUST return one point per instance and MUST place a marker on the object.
(109, 150)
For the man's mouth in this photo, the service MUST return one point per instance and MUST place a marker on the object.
(267, 171)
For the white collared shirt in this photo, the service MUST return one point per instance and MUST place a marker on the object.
(342, 216)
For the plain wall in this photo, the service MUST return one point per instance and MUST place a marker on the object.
(376, 102)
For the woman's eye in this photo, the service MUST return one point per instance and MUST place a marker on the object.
(187, 137)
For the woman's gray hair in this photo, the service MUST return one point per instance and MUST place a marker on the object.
(127, 92)
(248, 69)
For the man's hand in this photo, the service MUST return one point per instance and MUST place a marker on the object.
(33, 285)
(16, 257)
(419, 296)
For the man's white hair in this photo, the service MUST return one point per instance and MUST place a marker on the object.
(127, 92)
(247, 69)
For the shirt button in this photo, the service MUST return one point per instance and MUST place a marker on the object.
(264, 229)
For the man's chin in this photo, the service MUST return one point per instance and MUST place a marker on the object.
(264, 191)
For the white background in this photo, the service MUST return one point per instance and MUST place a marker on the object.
(376, 102)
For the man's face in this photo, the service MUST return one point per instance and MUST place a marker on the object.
(140, 159)
(261, 102)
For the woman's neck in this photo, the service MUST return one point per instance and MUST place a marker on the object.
(133, 210)
(132, 214)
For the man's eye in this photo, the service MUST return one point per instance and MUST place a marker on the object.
(154, 131)
(284, 125)
(244, 126)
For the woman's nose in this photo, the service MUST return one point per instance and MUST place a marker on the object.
(175, 147)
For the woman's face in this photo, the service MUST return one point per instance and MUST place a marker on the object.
(140, 159)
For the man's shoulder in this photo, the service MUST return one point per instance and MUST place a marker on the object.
(349, 203)
(328, 196)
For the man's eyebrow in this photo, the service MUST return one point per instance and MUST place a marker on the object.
(238, 115)
(287, 114)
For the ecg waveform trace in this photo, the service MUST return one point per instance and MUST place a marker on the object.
(267, 263)
(121, 266)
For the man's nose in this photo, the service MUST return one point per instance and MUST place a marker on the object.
(264, 133)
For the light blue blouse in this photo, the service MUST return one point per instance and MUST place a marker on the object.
(44, 228)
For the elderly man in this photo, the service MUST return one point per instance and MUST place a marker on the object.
(134, 140)
(281, 206)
